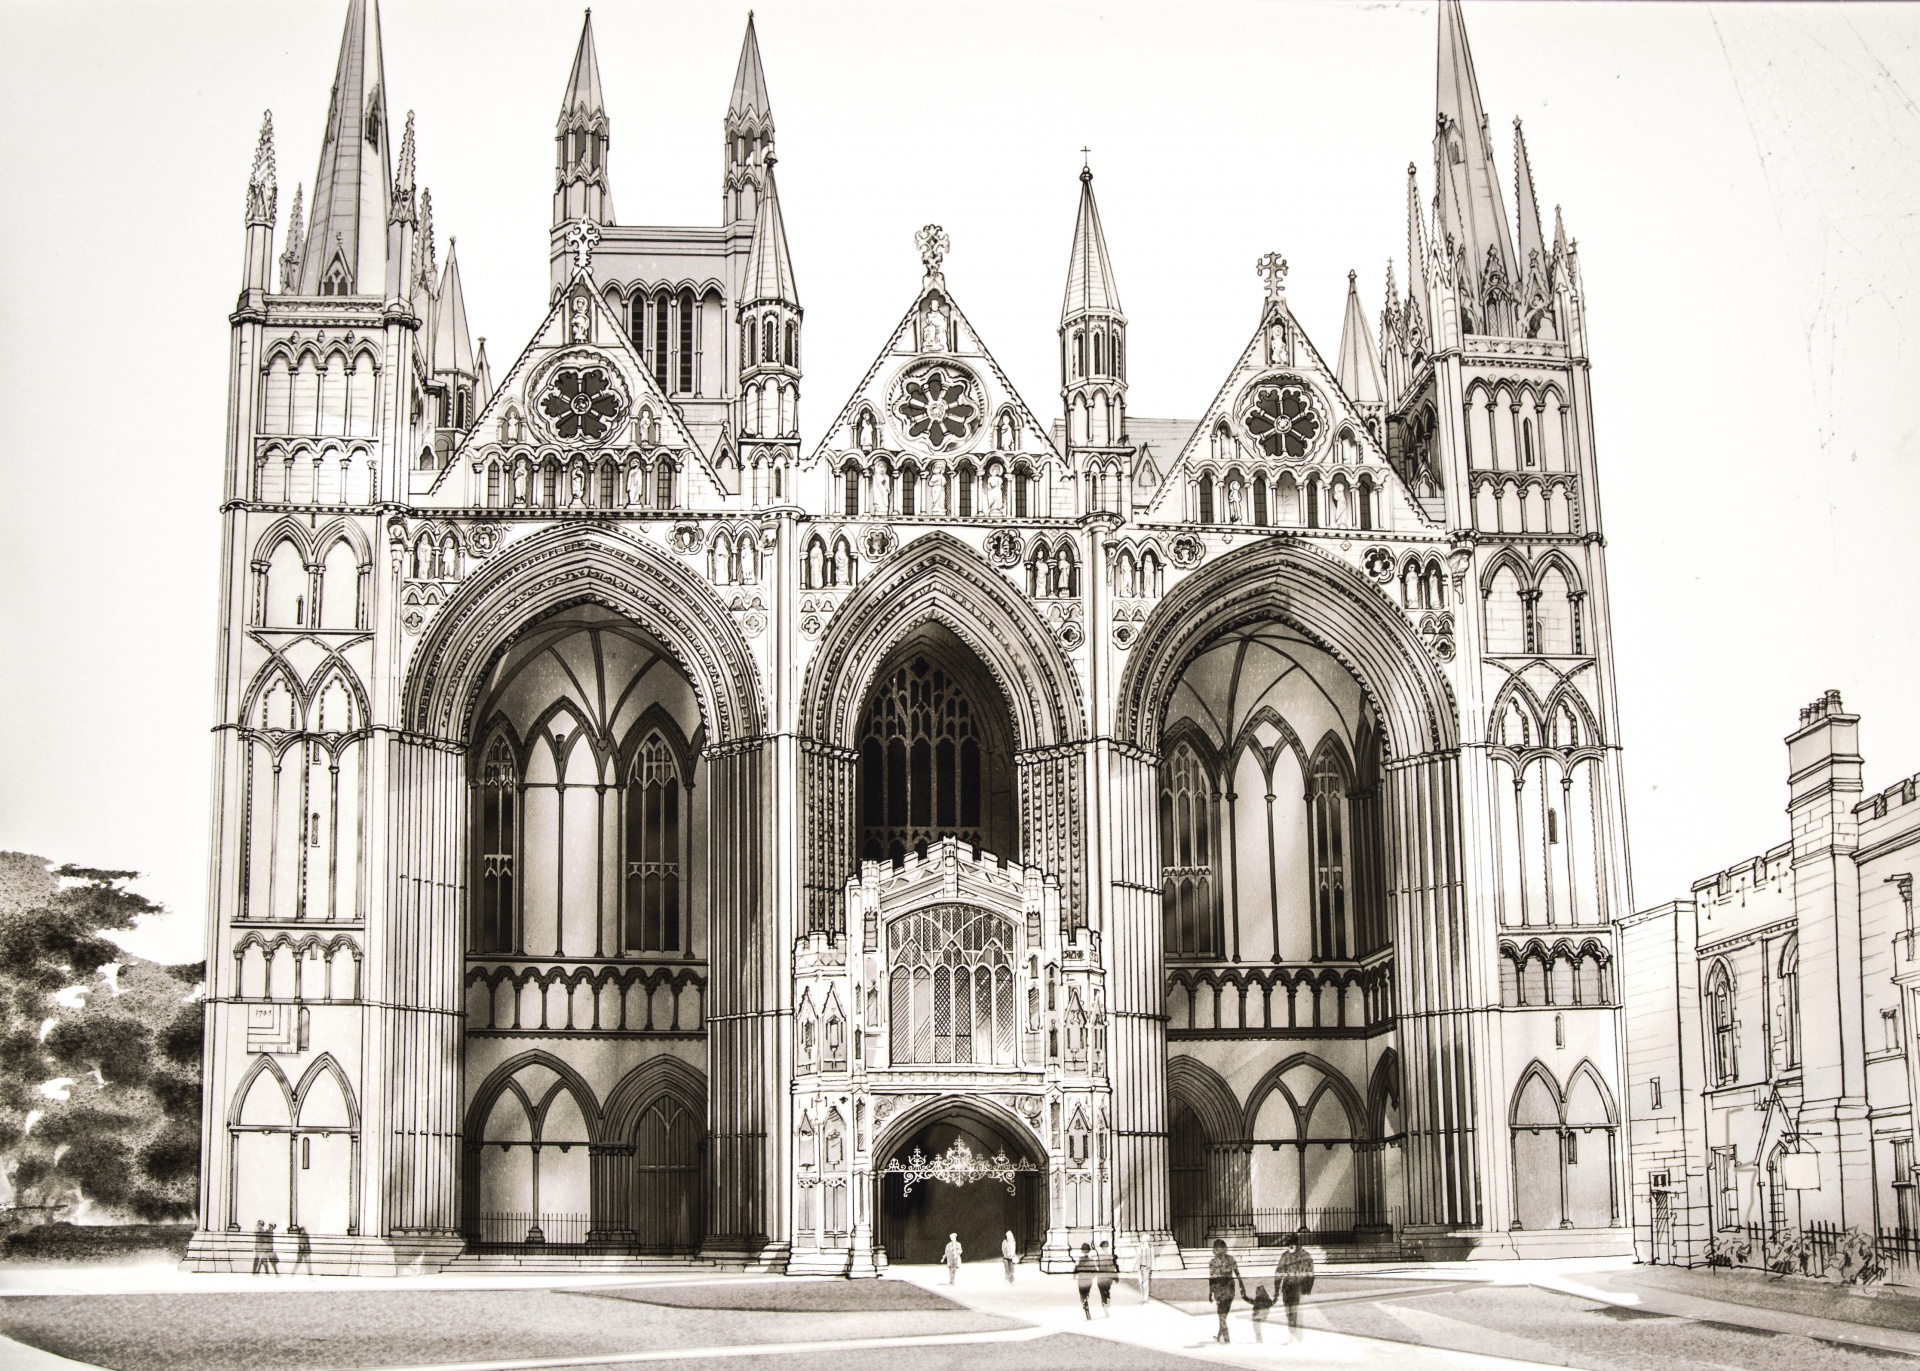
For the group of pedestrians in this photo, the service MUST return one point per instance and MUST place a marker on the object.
(1293, 1274)
(266, 1251)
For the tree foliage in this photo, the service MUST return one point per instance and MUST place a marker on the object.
(99, 1051)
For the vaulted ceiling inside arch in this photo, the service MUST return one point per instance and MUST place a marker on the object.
(1237, 677)
(607, 669)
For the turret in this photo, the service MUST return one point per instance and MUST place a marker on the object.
(453, 387)
(1358, 370)
(580, 189)
(1093, 356)
(749, 137)
(402, 222)
(769, 326)
(263, 200)
(346, 240)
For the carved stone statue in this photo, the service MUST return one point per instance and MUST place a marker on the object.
(520, 484)
(933, 330)
(577, 326)
(578, 486)
(636, 484)
(996, 496)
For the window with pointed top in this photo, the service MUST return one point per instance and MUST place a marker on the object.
(951, 988)
(495, 808)
(1327, 827)
(654, 856)
(1187, 878)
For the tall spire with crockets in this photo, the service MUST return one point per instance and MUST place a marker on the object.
(1093, 334)
(580, 188)
(1471, 221)
(749, 133)
(346, 242)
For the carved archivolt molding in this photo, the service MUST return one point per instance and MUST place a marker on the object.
(939, 579)
(1335, 606)
(583, 565)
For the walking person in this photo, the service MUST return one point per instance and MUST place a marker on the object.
(1296, 1279)
(1084, 1271)
(1108, 1271)
(1262, 1304)
(273, 1252)
(1009, 1254)
(1223, 1282)
(302, 1247)
(260, 1244)
(952, 1258)
(1143, 1269)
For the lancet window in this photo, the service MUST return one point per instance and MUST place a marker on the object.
(496, 804)
(951, 987)
(929, 767)
(655, 856)
(1189, 825)
(1328, 830)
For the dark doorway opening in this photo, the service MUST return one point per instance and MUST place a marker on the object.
(914, 1225)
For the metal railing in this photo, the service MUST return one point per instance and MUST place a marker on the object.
(498, 1232)
(1823, 1250)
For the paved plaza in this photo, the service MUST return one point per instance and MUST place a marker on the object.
(1600, 1316)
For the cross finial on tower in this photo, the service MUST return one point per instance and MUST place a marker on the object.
(581, 238)
(1273, 267)
(934, 246)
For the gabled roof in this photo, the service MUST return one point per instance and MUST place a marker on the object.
(609, 339)
(1307, 364)
(964, 345)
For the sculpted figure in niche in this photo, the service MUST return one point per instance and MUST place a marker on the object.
(995, 503)
(636, 484)
(1337, 506)
(579, 322)
(1233, 502)
(578, 486)
(520, 484)
(933, 330)
(937, 489)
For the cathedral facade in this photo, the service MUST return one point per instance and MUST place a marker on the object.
(642, 829)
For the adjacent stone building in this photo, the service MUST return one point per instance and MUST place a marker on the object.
(1771, 1053)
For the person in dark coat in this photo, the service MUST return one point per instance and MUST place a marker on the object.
(1084, 1272)
(1223, 1283)
(302, 1247)
(1296, 1279)
(1262, 1304)
(262, 1244)
(1108, 1273)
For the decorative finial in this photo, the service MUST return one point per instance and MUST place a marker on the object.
(1353, 279)
(263, 190)
(581, 238)
(934, 246)
(1273, 267)
(1086, 165)
(296, 239)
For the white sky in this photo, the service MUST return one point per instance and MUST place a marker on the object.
(1743, 182)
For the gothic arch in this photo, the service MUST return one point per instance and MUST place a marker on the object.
(263, 1066)
(890, 1135)
(640, 1087)
(1383, 1092)
(1199, 1087)
(939, 579)
(1332, 604)
(1535, 1071)
(1330, 1079)
(325, 1065)
(566, 566)
(498, 1079)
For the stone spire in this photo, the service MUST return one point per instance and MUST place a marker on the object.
(580, 188)
(769, 274)
(749, 136)
(452, 344)
(346, 242)
(296, 237)
(1090, 284)
(1416, 325)
(1471, 209)
(1358, 370)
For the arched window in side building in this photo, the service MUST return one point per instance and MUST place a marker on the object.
(1790, 1002)
(1720, 1024)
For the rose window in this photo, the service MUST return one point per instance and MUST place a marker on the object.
(580, 402)
(938, 405)
(1282, 420)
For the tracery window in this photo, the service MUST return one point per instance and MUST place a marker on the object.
(1282, 420)
(1328, 830)
(926, 768)
(1187, 840)
(653, 850)
(951, 987)
(495, 804)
